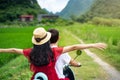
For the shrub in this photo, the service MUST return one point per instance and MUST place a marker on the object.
(107, 22)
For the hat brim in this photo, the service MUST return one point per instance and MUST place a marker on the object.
(46, 39)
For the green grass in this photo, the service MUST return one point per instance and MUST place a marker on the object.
(100, 33)
(89, 70)
(16, 69)
(12, 68)
(14, 37)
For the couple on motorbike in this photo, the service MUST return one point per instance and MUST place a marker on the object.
(43, 58)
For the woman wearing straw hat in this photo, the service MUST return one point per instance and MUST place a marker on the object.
(42, 58)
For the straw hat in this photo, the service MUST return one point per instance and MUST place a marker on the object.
(40, 36)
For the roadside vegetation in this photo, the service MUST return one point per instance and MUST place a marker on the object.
(101, 33)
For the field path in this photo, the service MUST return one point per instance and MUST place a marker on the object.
(110, 70)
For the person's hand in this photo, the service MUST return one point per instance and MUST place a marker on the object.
(100, 46)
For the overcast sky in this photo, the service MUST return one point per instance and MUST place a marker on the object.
(53, 5)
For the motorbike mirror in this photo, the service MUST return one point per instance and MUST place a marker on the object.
(78, 52)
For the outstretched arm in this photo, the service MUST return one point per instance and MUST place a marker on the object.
(12, 50)
(100, 46)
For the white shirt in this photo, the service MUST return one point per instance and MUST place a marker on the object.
(62, 60)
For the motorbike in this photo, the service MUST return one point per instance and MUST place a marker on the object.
(67, 71)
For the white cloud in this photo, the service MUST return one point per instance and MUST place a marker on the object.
(53, 5)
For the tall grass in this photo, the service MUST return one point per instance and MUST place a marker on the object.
(104, 21)
(101, 33)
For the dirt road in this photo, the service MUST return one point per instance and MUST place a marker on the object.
(110, 70)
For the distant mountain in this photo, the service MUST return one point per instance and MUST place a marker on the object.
(105, 9)
(92, 8)
(76, 8)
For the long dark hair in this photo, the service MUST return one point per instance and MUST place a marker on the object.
(41, 54)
